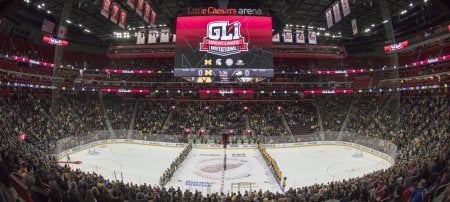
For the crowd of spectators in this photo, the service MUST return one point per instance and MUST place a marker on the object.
(419, 126)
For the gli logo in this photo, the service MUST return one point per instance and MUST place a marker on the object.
(223, 38)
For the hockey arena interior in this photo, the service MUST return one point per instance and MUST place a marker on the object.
(224, 100)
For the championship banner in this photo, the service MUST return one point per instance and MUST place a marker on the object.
(122, 18)
(396, 46)
(174, 37)
(139, 7)
(165, 32)
(337, 12)
(287, 35)
(152, 35)
(115, 12)
(345, 7)
(300, 36)
(105, 8)
(354, 27)
(312, 37)
(329, 17)
(276, 37)
(140, 37)
(131, 3)
(153, 20)
(147, 12)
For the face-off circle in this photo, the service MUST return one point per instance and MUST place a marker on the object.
(213, 168)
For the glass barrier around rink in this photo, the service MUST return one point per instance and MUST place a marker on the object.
(377, 144)
(75, 141)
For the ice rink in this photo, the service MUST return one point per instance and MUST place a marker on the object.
(136, 163)
(321, 164)
(203, 168)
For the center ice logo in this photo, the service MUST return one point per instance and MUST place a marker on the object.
(212, 168)
(223, 38)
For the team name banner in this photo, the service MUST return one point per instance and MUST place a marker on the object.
(312, 37)
(287, 35)
(337, 12)
(329, 17)
(345, 7)
(105, 8)
(115, 13)
(131, 3)
(140, 37)
(300, 36)
(147, 10)
(122, 18)
(152, 35)
(139, 7)
(165, 33)
(396, 46)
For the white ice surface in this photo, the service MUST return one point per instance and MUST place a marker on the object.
(246, 168)
(136, 163)
(305, 166)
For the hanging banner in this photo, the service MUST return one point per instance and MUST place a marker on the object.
(131, 3)
(105, 8)
(329, 17)
(354, 27)
(140, 37)
(287, 35)
(174, 38)
(276, 37)
(312, 37)
(147, 10)
(152, 35)
(123, 18)
(345, 7)
(165, 33)
(337, 12)
(139, 7)
(115, 13)
(153, 20)
(300, 36)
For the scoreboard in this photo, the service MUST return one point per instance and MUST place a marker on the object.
(224, 47)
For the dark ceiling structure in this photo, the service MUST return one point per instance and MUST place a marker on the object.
(85, 17)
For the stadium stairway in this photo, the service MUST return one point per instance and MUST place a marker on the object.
(108, 122)
(347, 117)
(167, 122)
(133, 116)
(319, 121)
(285, 123)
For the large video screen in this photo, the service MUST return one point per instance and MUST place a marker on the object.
(224, 47)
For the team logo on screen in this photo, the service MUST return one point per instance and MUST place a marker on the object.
(223, 38)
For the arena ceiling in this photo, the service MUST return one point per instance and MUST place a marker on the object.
(85, 14)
